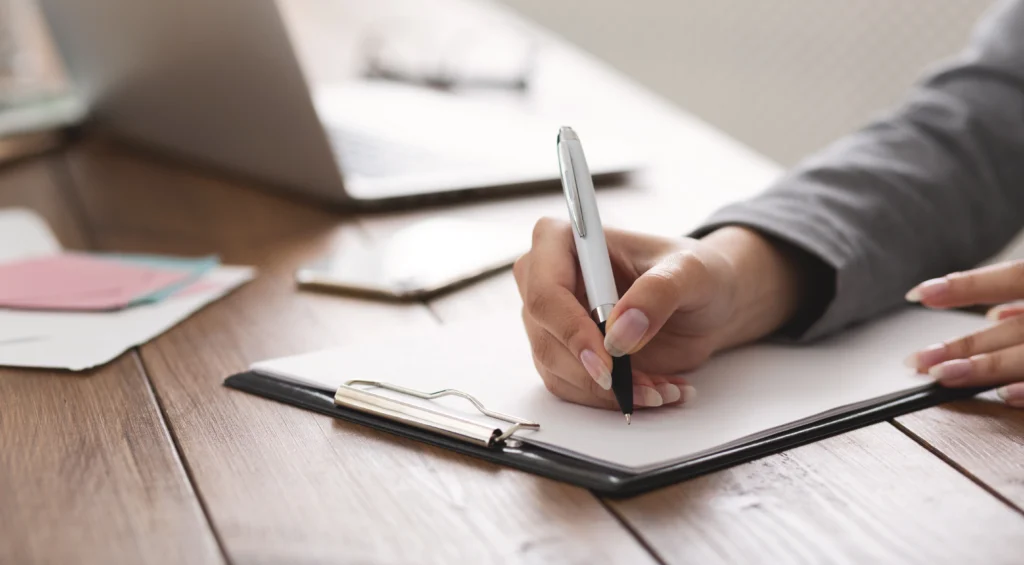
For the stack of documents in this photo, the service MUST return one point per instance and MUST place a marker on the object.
(76, 310)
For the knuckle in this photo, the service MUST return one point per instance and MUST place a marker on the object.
(694, 273)
(663, 282)
(549, 383)
(546, 226)
(542, 350)
(989, 364)
(688, 260)
(685, 265)
(537, 304)
(519, 269)
(541, 370)
(962, 346)
(571, 331)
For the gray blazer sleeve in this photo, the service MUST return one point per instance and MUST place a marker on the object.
(936, 187)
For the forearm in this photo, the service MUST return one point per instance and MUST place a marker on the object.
(936, 187)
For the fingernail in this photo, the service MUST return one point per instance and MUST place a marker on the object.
(927, 357)
(598, 371)
(951, 371)
(1000, 313)
(1006, 393)
(1012, 395)
(669, 392)
(626, 332)
(689, 393)
(646, 396)
(928, 289)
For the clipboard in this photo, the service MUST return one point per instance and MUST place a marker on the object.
(353, 403)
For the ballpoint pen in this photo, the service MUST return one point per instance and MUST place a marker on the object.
(592, 251)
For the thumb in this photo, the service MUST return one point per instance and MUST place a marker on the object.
(677, 280)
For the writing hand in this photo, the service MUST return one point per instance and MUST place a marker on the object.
(682, 300)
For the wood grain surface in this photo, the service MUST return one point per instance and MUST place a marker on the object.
(285, 485)
(983, 436)
(869, 496)
(88, 473)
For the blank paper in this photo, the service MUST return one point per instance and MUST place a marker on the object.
(741, 395)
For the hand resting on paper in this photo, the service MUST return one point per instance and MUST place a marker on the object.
(993, 356)
(681, 300)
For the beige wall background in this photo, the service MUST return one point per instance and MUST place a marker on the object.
(784, 77)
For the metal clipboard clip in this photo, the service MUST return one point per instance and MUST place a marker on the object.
(349, 396)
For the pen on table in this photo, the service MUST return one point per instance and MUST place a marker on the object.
(592, 251)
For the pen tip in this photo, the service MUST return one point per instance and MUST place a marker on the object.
(627, 419)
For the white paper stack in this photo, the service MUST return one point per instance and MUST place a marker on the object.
(82, 340)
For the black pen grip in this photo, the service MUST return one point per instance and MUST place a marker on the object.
(622, 379)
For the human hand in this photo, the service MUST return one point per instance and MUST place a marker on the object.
(992, 356)
(686, 299)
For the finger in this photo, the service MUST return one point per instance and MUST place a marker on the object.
(648, 392)
(554, 251)
(1005, 334)
(680, 280)
(985, 369)
(673, 389)
(1004, 311)
(987, 285)
(521, 274)
(551, 358)
(1013, 395)
(550, 299)
(566, 391)
(584, 372)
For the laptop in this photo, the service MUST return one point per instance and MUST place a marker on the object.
(219, 83)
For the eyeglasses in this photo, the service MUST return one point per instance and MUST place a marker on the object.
(404, 50)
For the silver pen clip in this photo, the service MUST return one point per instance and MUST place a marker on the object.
(569, 186)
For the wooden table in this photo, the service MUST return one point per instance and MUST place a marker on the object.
(151, 460)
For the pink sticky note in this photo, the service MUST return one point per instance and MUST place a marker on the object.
(72, 281)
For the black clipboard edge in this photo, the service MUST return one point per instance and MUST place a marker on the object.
(601, 480)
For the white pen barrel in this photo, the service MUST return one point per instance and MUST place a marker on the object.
(592, 248)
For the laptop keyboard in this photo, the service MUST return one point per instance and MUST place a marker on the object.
(368, 155)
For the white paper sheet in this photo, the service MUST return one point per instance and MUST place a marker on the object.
(740, 395)
(82, 340)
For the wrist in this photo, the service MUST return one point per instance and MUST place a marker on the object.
(768, 284)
